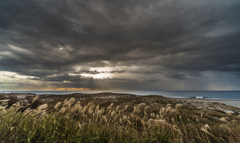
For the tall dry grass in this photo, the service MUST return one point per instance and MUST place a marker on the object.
(72, 122)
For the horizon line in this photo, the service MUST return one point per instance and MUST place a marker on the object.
(114, 90)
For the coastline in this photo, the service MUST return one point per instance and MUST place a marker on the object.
(225, 105)
(231, 102)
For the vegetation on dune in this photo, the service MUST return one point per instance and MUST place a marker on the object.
(71, 121)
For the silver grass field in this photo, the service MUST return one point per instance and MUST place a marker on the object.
(69, 121)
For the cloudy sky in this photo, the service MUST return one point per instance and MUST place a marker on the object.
(119, 45)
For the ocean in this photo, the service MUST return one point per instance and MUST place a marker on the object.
(233, 95)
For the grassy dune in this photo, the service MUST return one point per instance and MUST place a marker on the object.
(70, 121)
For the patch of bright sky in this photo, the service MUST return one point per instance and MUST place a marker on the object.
(19, 50)
(104, 72)
(12, 80)
(101, 69)
(5, 76)
(98, 76)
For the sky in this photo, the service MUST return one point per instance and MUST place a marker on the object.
(83, 45)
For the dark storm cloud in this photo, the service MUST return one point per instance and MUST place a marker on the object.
(49, 39)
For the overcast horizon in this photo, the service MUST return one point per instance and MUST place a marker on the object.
(86, 45)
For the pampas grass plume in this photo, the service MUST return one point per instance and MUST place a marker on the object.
(97, 108)
(134, 109)
(159, 122)
(72, 100)
(168, 105)
(35, 99)
(168, 109)
(141, 104)
(110, 106)
(178, 106)
(117, 108)
(57, 106)
(126, 106)
(63, 110)
(223, 119)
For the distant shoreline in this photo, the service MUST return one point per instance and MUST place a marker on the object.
(198, 102)
(204, 99)
(205, 95)
(231, 102)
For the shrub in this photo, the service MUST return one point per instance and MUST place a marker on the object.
(13, 99)
(29, 99)
(2, 96)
